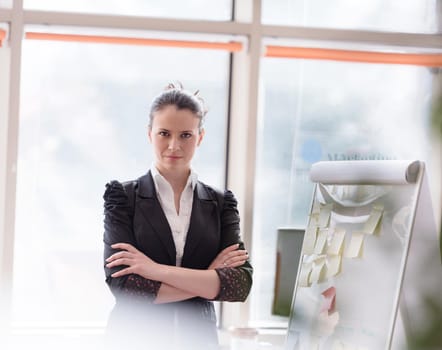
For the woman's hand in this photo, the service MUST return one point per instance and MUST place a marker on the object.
(136, 262)
(229, 257)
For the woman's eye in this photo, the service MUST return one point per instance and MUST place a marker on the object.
(163, 133)
(186, 135)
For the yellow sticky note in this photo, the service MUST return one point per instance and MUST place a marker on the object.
(335, 247)
(324, 215)
(304, 275)
(354, 249)
(373, 220)
(333, 265)
(317, 274)
(321, 239)
(308, 246)
(314, 220)
(316, 208)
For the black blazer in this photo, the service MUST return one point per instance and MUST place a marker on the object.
(134, 215)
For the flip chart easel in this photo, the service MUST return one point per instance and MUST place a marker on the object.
(369, 257)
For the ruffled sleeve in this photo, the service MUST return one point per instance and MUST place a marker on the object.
(116, 203)
(118, 228)
(235, 283)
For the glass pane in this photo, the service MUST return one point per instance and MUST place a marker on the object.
(219, 10)
(5, 3)
(323, 110)
(83, 123)
(409, 16)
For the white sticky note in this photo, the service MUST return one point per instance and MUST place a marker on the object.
(354, 249)
(321, 239)
(314, 220)
(316, 208)
(314, 343)
(324, 215)
(373, 220)
(333, 265)
(338, 345)
(308, 246)
(335, 247)
(317, 274)
(304, 275)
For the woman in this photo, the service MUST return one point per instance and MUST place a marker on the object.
(172, 243)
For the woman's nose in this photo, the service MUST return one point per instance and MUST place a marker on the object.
(174, 144)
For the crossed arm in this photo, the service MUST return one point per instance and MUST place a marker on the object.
(129, 271)
(177, 283)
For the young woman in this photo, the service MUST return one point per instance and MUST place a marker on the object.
(172, 243)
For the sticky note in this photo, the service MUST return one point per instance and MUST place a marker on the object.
(321, 239)
(335, 247)
(329, 302)
(317, 274)
(373, 220)
(333, 265)
(316, 208)
(308, 246)
(324, 215)
(338, 345)
(354, 249)
(314, 220)
(304, 275)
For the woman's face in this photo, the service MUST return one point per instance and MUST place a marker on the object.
(174, 136)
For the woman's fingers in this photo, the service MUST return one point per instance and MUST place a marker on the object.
(237, 253)
(237, 259)
(125, 246)
(118, 262)
(118, 255)
(229, 249)
(228, 252)
(123, 272)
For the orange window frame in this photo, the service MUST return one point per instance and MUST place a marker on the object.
(2, 36)
(417, 59)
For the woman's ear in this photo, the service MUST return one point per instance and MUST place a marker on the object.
(200, 136)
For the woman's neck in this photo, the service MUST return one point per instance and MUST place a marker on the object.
(176, 178)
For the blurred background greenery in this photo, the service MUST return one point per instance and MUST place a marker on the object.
(430, 335)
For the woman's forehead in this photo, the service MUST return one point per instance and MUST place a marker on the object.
(171, 118)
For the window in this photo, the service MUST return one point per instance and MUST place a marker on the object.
(325, 110)
(84, 112)
(5, 3)
(410, 16)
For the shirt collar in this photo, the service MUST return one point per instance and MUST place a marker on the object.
(157, 177)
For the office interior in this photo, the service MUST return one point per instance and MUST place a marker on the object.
(287, 83)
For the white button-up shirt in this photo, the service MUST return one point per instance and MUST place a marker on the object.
(179, 222)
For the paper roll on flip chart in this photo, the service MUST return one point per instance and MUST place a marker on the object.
(391, 172)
